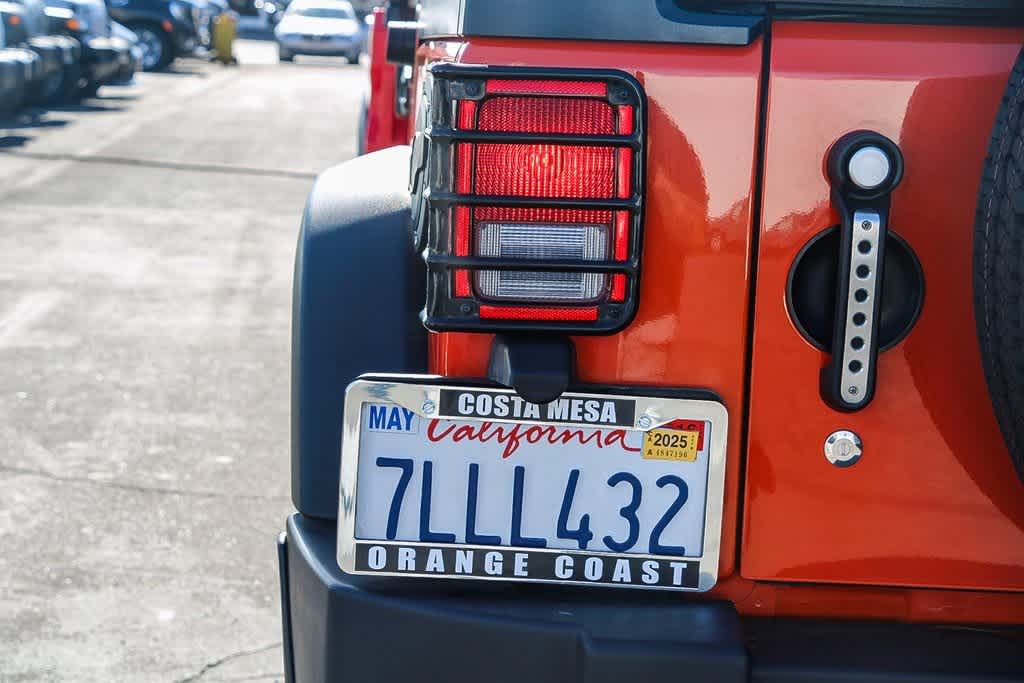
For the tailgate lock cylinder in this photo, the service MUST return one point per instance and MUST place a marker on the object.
(843, 448)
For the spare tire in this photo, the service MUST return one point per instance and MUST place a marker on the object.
(999, 267)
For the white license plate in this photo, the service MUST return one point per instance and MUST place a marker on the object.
(474, 483)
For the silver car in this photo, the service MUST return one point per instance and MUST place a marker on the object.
(319, 27)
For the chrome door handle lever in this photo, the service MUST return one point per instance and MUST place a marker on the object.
(864, 168)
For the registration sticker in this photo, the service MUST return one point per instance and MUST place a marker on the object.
(670, 444)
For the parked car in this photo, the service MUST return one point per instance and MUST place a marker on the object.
(319, 27)
(384, 111)
(60, 53)
(12, 76)
(31, 74)
(166, 29)
(16, 40)
(104, 55)
(49, 58)
(127, 70)
(711, 298)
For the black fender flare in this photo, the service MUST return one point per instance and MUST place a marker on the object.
(356, 296)
(50, 53)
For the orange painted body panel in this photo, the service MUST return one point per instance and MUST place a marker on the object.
(935, 500)
(383, 128)
(691, 328)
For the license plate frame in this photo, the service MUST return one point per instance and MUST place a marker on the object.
(653, 408)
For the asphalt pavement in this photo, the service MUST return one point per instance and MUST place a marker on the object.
(146, 246)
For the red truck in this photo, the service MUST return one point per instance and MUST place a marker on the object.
(681, 339)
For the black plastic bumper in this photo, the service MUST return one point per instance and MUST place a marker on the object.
(51, 52)
(126, 62)
(11, 75)
(68, 46)
(101, 58)
(343, 628)
(12, 84)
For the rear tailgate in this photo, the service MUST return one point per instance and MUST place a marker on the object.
(738, 137)
(934, 500)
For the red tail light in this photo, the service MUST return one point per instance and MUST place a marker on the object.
(529, 199)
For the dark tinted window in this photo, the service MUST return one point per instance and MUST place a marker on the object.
(950, 5)
(324, 12)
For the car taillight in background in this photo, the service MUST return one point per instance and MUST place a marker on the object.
(528, 197)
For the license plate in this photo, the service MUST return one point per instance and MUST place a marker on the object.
(475, 483)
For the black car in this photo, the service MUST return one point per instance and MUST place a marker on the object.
(27, 26)
(13, 72)
(126, 72)
(166, 28)
(104, 56)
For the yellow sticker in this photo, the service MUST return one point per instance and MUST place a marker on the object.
(671, 444)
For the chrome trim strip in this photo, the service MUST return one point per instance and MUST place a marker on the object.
(858, 338)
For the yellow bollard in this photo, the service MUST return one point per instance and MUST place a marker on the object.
(224, 29)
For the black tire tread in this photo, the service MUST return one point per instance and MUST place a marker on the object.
(167, 56)
(999, 267)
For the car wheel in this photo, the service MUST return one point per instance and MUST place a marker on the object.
(157, 51)
(353, 58)
(285, 55)
(999, 267)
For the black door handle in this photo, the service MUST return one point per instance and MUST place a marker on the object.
(864, 168)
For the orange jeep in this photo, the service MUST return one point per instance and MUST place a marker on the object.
(681, 341)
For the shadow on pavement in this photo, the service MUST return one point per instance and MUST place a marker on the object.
(184, 67)
(117, 98)
(84, 106)
(32, 119)
(12, 141)
(320, 61)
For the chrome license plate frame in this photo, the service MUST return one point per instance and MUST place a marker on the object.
(430, 398)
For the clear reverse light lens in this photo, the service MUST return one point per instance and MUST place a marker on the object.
(541, 241)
